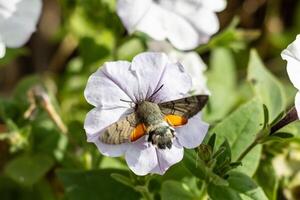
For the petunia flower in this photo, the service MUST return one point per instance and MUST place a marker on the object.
(191, 61)
(185, 23)
(292, 55)
(117, 83)
(18, 19)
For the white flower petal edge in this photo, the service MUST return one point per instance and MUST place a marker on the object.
(168, 157)
(2, 49)
(172, 20)
(102, 91)
(192, 62)
(292, 55)
(141, 157)
(297, 103)
(176, 83)
(18, 21)
(192, 134)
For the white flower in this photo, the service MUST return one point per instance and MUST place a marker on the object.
(185, 23)
(137, 81)
(18, 19)
(191, 61)
(292, 55)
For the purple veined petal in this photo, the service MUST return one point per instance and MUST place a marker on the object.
(102, 91)
(297, 104)
(176, 83)
(18, 26)
(149, 68)
(168, 157)
(132, 11)
(112, 150)
(192, 134)
(141, 78)
(141, 157)
(98, 119)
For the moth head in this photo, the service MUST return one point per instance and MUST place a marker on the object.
(162, 137)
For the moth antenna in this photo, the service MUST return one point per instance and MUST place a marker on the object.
(131, 103)
(156, 91)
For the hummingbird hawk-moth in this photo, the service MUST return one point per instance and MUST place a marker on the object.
(157, 121)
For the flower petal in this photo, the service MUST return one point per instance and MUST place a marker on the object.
(160, 23)
(98, 119)
(101, 91)
(149, 68)
(206, 22)
(297, 103)
(192, 134)
(21, 22)
(132, 11)
(141, 157)
(168, 157)
(2, 49)
(292, 55)
(195, 67)
(176, 83)
(214, 5)
(114, 150)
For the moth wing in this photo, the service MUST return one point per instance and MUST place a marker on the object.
(178, 112)
(125, 130)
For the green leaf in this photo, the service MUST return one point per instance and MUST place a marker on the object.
(225, 156)
(190, 161)
(283, 135)
(267, 179)
(266, 115)
(123, 179)
(245, 185)
(211, 142)
(96, 184)
(199, 169)
(223, 93)
(129, 49)
(216, 192)
(267, 88)
(174, 190)
(240, 129)
(28, 169)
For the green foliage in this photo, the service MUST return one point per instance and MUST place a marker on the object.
(240, 130)
(29, 169)
(267, 88)
(250, 93)
(96, 184)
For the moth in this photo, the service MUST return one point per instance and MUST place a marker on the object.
(156, 121)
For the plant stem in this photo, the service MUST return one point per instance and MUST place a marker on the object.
(290, 117)
(249, 148)
(143, 190)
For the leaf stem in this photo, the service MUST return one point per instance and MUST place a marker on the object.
(143, 190)
(247, 150)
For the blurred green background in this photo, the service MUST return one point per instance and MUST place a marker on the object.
(44, 160)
